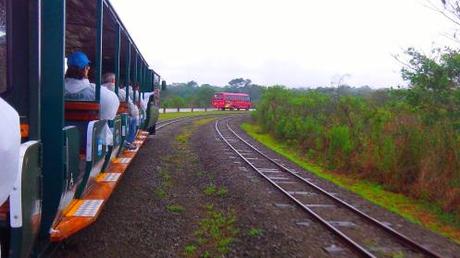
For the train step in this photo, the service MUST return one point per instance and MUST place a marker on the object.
(83, 212)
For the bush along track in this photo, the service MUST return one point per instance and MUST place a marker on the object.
(429, 215)
(191, 193)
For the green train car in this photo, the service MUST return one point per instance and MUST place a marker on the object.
(59, 163)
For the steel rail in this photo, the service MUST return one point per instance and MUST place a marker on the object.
(164, 123)
(409, 242)
(404, 239)
(355, 246)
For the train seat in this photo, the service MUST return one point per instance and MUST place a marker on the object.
(151, 116)
(123, 108)
(84, 116)
(113, 150)
(25, 201)
(74, 166)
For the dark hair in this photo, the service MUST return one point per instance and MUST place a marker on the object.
(75, 73)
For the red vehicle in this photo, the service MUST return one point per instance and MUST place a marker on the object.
(228, 100)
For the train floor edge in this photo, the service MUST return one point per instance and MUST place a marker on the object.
(83, 212)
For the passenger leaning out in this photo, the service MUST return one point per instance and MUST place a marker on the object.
(133, 111)
(78, 88)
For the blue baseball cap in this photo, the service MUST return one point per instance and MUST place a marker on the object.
(78, 59)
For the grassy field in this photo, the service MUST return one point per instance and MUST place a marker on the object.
(423, 213)
(167, 116)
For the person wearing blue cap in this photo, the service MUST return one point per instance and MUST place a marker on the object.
(78, 88)
(77, 85)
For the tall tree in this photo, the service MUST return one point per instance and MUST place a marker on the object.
(239, 82)
(449, 9)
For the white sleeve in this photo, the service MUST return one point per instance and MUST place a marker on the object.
(109, 104)
(10, 141)
(122, 95)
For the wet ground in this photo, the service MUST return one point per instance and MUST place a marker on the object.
(187, 195)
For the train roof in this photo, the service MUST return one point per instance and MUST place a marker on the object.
(81, 29)
(233, 93)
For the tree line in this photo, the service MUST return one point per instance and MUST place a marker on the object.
(191, 94)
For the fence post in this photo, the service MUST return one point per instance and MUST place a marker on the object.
(164, 110)
(178, 109)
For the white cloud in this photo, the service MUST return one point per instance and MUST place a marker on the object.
(291, 42)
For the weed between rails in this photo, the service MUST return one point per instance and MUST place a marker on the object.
(165, 183)
(175, 208)
(255, 232)
(212, 190)
(215, 234)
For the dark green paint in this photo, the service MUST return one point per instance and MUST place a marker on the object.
(94, 167)
(116, 69)
(23, 238)
(98, 61)
(52, 103)
(128, 71)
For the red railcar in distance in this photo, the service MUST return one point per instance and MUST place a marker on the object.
(228, 100)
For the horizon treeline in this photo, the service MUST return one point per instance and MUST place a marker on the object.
(191, 94)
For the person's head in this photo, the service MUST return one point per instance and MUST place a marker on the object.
(77, 65)
(108, 78)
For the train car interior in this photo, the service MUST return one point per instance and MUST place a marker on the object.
(70, 156)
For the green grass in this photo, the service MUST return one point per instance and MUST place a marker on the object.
(429, 215)
(217, 231)
(222, 192)
(175, 208)
(185, 135)
(189, 250)
(399, 254)
(161, 193)
(210, 190)
(255, 232)
(165, 183)
(167, 116)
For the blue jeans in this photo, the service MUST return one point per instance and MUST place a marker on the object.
(132, 129)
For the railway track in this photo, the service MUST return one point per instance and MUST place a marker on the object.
(361, 233)
(161, 124)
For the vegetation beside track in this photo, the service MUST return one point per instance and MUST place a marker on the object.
(166, 116)
(427, 214)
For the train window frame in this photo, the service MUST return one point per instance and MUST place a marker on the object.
(7, 74)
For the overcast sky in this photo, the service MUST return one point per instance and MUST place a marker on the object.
(290, 42)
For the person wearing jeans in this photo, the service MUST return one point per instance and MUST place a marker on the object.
(108, 81)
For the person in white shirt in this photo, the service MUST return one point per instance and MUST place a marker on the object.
(78, 87)
(10, 142)
(108, 80)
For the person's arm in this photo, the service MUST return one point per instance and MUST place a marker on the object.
(109, 104)
(10, 142)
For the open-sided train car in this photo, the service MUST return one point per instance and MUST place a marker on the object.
(64, 172)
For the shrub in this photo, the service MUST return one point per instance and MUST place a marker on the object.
(386, 137)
